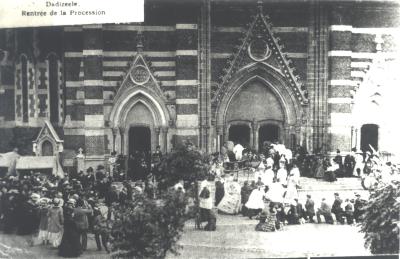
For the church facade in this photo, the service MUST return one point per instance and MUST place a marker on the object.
(205, 71)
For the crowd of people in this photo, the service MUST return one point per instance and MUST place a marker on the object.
(59, 213)
(272, 196)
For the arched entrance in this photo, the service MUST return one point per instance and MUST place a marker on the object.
(369, 136)
(47, 148)
(240, 134)
(140, 124)
(258, 94)
(254, 104)
(268, 133)
(139, 139)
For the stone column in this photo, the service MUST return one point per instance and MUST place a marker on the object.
(204, 48)
(164, 131)
(317, 70)
(114, 133)
(157, 131)
(122, 134)
(219, 133)
(254, 127)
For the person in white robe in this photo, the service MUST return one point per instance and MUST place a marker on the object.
(238, 150)
(359, 164)
(292, 183)
(270, 161)
(275, 192)
(256, 201)
(281, 174)
(259, 171)
(268, 176)
(288, 155)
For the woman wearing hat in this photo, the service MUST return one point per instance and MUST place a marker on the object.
(56, 221)
(70, 243)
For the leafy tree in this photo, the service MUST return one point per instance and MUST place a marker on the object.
(381, 219)
(147, 228)
(184, 163)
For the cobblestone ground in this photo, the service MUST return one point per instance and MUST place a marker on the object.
(235, 238)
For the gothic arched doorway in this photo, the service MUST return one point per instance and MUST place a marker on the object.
(139, 151)
(47, 148)
(240, 134)
(139, 139)
(268, 133)
(369, 136)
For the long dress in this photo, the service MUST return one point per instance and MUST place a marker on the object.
(70, 244)
(230, 204)
(55, 227)
(291, 191)
(44, 223)
(255, 201)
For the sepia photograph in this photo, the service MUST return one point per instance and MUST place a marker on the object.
(199, 129)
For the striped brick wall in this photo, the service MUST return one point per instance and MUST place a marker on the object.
(340, 80)
(187, 83)
(95, 140)
(120, 47)
(74, 132)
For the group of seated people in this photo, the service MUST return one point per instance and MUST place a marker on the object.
(274, 215)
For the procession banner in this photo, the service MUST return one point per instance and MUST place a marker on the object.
(28, 13)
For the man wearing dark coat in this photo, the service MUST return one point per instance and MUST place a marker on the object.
(10, 209)
(338, 159)
(337, 208)
(325, 211)
(349, 164)
(219, 191)
(245, 194)
(80, 217)
(310, 210)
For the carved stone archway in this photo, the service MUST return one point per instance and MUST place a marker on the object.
(139, 87)
(276, 83)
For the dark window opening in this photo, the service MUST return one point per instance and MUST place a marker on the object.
(240, 134)
(54, 89)
(24, 82)
(47, 148)
(139, 152)
(267, 134)
(369, 136)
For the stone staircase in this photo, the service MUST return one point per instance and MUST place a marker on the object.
(318, 189)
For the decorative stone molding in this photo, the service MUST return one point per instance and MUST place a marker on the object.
(259, 45)
(47, 135)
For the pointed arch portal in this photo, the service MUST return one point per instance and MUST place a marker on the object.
(139, 109)
(260, 97)
(139, 117)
